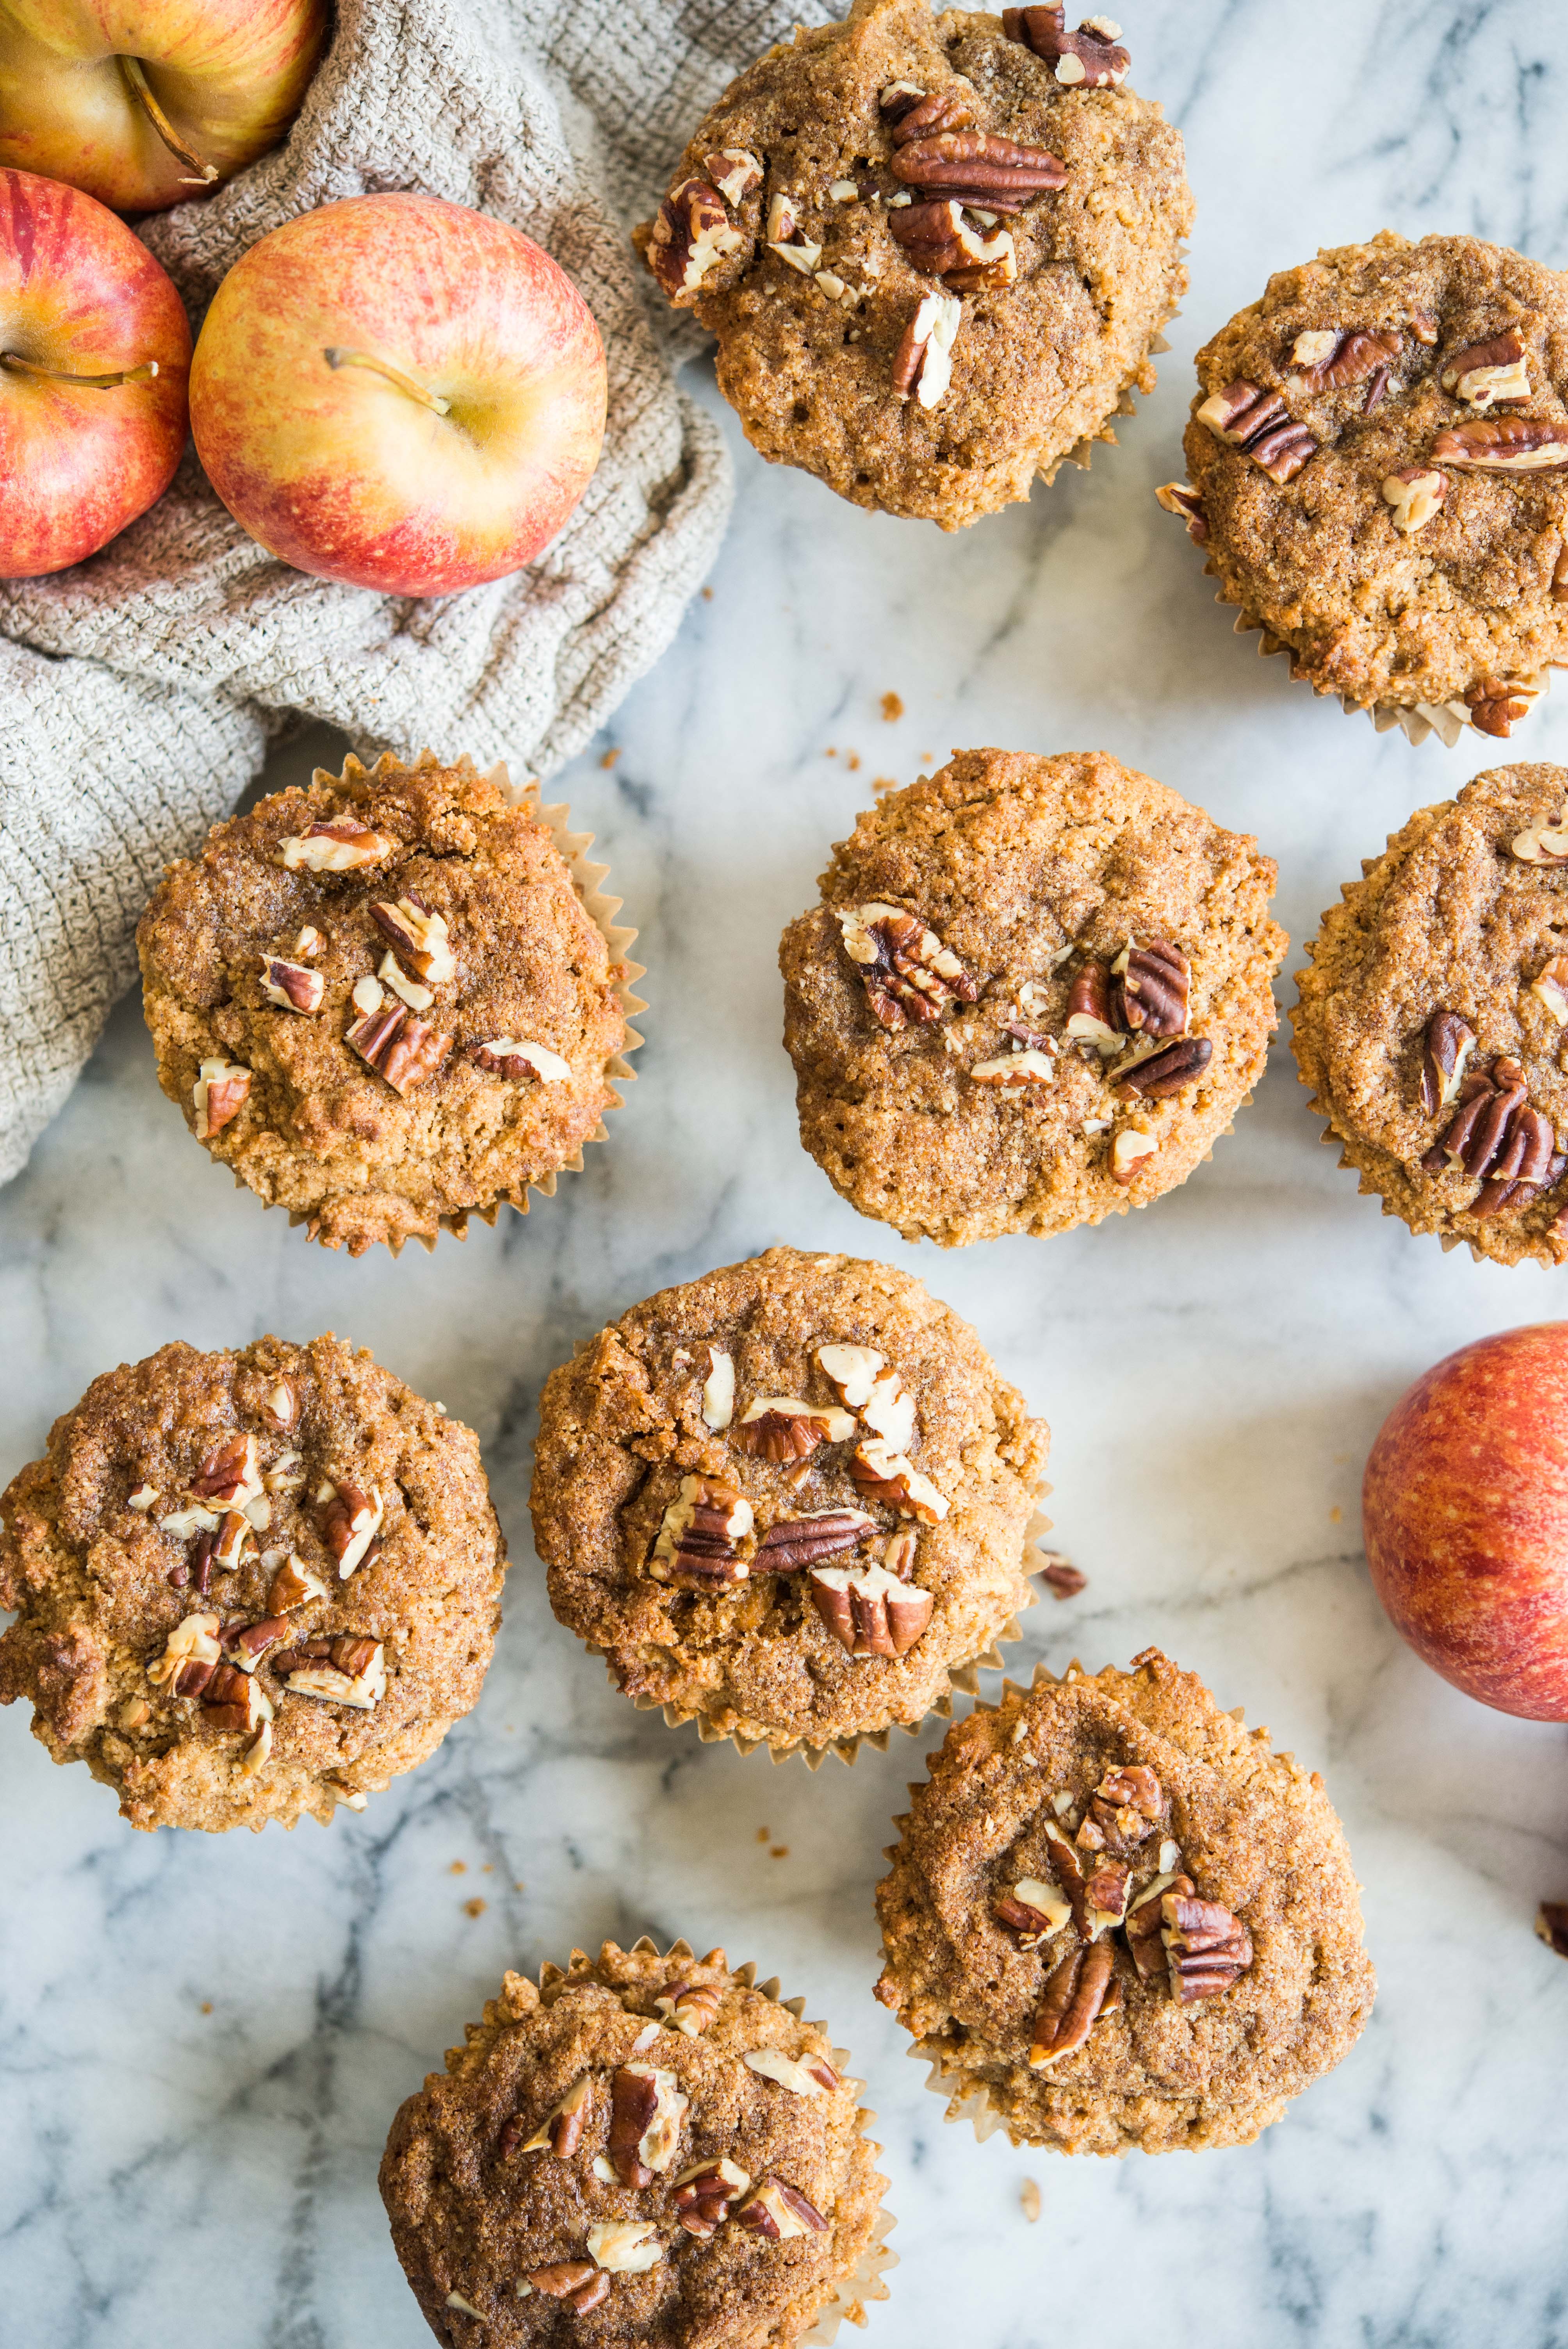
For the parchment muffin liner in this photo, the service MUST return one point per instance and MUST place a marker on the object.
(586, 880)
(1082, 451)
(1418, 721)
(866, 2279)
(964, 1677)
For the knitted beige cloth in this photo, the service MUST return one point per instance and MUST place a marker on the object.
(139, 691)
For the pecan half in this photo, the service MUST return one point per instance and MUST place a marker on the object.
(796, 1542)
(778, 2211)
(1496, 706)
(342, 845)
(1259, 424)
(1490, 374)
(1446, 1047)
(1206, 1948)
(911, 114)
(1504, 444)
(978, 167)
(702, 2199)
(907, 972)
(704, 1538)
(220, 1093)
(1415, 493)
(1091, 59)
(1070, 2003)
(893, 1479)
(1480, 1133)
(419, 936)
(1154, 981)
(1167, 1071)
(1523, 1167)
(1326, 359)
(291, 986)
(779, 1427)
(1182, 498)
(691, 232)
(870, 1611)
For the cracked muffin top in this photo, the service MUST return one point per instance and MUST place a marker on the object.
(788, 1499)
(1116, 1916)
(1432, 1024)
(249, 1585)
(936, 250)
(652, 2142)
(384, 1003)
(1035, 993)
(1378, 463)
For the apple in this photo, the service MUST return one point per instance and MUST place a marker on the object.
(95, 348)
(144, 103)
(398, 393)
(1465, 1506)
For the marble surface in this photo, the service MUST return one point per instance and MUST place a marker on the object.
(205, 2041)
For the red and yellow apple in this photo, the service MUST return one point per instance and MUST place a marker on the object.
(144, 103)
(1465, 1506)
(95, 348)
(398, 393)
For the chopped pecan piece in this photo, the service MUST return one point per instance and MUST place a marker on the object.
(220, 1093)
(282, 1404)
(1552, 1925)
(870, 1611)
(193, 1640)
(807, 2075)
(1014, 1072)
(907, 972)
(341, 846)
(788, 239)
(1033, 1909)
(796, 1542)
(1129, 1150)
(345, 1671)
(1206, 1948)
(291, 986)
(1091, 59)
(691, 232)
(779, 1427)
(1490, 374)
(576, 2281)
(1180, 498)
(1447, 1045)
(704, 1538)
(734, 172)
(690, 2008)
(978, 167)
(702, 2199)
(1145, 1925)
(1543, 843)
(233, 1542)
(1070, 2002)
(507, 1056)
(889, 1410)
(625, 2246)
(778, 2211)
(892, 1479)
(404, 1050)
(718, 1391)
(1259, 424)
(1326, 360)
(646, 2110)
(1549, 987)
(352, 1520)
(233, 1700)
(1069, 1869)
(1063, 1578)
(245, 1643)
(1095, 1012)
(1415, 493)
(419, 936)
(899, 1553)
(1496, 706)
(1168, 1070)
(229, 1475)
(1126, 1806)
(939, 242)
(853, 1370)
(911, 114)
(923, 363)
(1154, 981)
(560, 2132)
(292, 1585)
(1504, 444)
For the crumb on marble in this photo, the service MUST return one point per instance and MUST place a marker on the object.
(458, 1868)
(476, 1907)
(610, 757)
(891, 708)
(1030, 2195)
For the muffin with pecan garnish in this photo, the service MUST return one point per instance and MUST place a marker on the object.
(249, 1585)
(1379, 477)
(792, 1501)
(658, 2142)
(1432, 1024)
(1035, 994)
(936, 251)
(391, 1002)
(1115, 1918)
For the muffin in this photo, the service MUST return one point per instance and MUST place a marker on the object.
(1116, 1918)
(790, 1501)
(653, 2140)
(1432, 1024)
(936, 251)
(1379, 476)
(390, 1001)
(249, 1585)
(1035, 993)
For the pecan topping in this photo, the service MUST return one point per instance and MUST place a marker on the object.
(1091, 59)
(939, 242)
(1206, 1948)
(891, 1479)
(1543, 843)
(1414, 494)
(419, 936)
(193, 1640)
(1552, 1925)
(220, 1093)
(923, 362)
(404, 1050)
(704, 1540)
(718, 1391)
(233, 1541)
(1495, 706)
(233, 1699)
(560, 2132)
(869, 1610)
(734, 172)
(1097, 1014)
(340, 847)
(889, 1410)
(691, 232)
(806, 2076)
(1489, 375)
(1131, 1147)
(911, 114)
(853, 1370)
(778, 1427)
(576, 2281)
(796, 1542)
(777, 2213)
(788, 239)
(899, 1553)
(1145, 1924)
(689, 2007)
(907, 972)
(1126, 1806)
(282, 1404)
(1527, 1164)
(1167, 1071)
(625, 2246)
(1032, 1909)
(1062, 1576)
(1549, 987)
(1259, 423)
(1480, 1133)
(1070, 2003)
(978, 167)
(292, 1585)
(291, 986)
(245, 1643)
(1560, 578)
(1070, 1873)
(506, 1056)
(351, 1522)
(347, 1671)
(1012, 1071)
(1154, 981)
(228, 1475)
(645, 2113)
(1504, 444)
(1447, 1045)
(702, 2198)
(1326, 360)
(1180, 498)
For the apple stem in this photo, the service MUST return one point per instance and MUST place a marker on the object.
(138, 82)
(432, 400)
(142, 374)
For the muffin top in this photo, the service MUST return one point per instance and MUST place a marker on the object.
(250, 1585)
(935, 253)
(1118, 1914)
(1432, 1024)
(1380, 461)
(383, 1001)
(789, 1498)
(652, 2140)
(1035, 992)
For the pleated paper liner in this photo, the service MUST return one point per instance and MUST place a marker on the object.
(1082, 451)
(964, 1677)
(601, 910)
(865, 2280)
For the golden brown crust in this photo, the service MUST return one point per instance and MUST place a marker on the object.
(1039, 366)
(622, 1423)
(1256, 1834)
(1025, 868)
(100, 1586)
(322, 1134)
(471, 2218)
